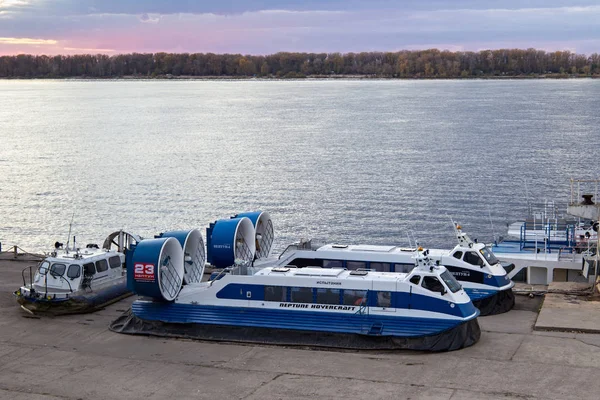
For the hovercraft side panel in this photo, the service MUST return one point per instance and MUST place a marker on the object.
(157, 269)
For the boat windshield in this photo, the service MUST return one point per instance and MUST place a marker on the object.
(450, 281)
(489, 256)
(43, 269)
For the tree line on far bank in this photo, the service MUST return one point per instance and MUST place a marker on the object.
(430, 63)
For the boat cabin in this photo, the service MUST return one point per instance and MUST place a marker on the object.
(65, 272)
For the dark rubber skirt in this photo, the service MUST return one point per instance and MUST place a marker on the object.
(499, 303)
(463, 335)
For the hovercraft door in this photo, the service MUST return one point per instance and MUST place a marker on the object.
(382, 296)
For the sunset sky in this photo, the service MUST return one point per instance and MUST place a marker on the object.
(269, 26)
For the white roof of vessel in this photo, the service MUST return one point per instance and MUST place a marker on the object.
(331, 273)
(82, 255)
(378, 249)
(360, 247)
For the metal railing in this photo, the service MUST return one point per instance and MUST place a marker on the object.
(29, 268)
(169, 278)
(263, 246)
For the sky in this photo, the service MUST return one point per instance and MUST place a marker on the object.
(269, 26)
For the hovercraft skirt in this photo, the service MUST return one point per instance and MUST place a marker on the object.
(456, 337)
(78, 304)
(498, 303)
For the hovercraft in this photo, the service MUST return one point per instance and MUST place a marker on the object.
(425, 309)
(472, 264)
(72, 280)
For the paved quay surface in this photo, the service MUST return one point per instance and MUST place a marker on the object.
(77, 357)
(569, 312)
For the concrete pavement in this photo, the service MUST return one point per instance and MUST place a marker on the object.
(77, 357)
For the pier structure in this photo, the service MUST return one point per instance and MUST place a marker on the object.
(584, 204)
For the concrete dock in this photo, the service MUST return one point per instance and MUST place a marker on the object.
(77, 357)
(566, 309)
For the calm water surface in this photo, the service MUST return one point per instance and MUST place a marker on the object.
(346, 161)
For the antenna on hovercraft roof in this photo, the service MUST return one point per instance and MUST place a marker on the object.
(492, 224)
(422, 259)
(463, 238)
(69, 235)
(410, 241)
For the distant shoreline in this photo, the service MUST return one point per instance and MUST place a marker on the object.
(309, 77)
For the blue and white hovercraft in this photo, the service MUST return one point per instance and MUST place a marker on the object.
(425, 309)
(472, 264)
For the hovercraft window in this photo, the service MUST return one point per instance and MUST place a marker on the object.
(115, 262)
(44, 268)
(450, 281)
(384, 299)
(415, 279)
(74, 271)
(89, 269)
(432, 283)
(328, 296)
(333, 264)
(101, 265)
(381, 267)
(404, 268)
(457, 255)
(306, 262)
(57, 269)
(356, 264)
(302, 295)
(274, 293)
(355, 297)
(489, 256)
(473, 259)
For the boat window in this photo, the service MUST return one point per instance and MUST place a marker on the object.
(333, 264)
(74, 271)
(328, 296)
(450, 281)
(457, 254)
(355, 297)
(489, 256)
(89, 269)
(306, 262)
(57, 269)
(44, 267)
(384, 299)
(432, 283)
(382, 267)
(415, 279)
(472, 258)
(356, 264)
(302, 295)
(115, 262)
(404, 268)
(274, 293)
(101, 265)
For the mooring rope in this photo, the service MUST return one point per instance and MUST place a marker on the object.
(23, 252)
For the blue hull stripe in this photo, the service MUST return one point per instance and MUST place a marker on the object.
(297, 320)
(478, 294)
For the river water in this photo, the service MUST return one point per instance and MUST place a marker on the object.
(342, 161)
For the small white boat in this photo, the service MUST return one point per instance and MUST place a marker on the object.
(75, 280)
